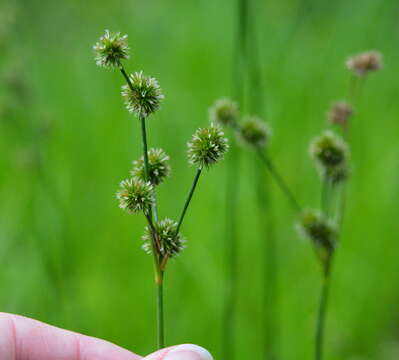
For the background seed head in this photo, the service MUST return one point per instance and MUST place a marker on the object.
(145, 96)
(225, 112)
(339, 113)
(170, 242)
(207, 146)
(254, 131)
(329, 150)
(158, 167)
(362, 64)
(134, 195)
(314, 227)
(111, 49)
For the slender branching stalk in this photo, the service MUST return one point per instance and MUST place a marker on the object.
(143, 96)
(280, 181)
(189, 197)
(331, 155)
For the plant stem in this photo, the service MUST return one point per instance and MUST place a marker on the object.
(239, 67)
(157, 268)
(160, 313)
(325, 194)
(189, 197)
(280, 181)
(321, 318)
(231, 251)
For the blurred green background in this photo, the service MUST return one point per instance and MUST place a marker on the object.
(69, 256)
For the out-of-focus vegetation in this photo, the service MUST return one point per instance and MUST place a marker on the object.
(70, 257)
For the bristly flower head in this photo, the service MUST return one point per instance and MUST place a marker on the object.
(134, 195)
(339, 113)
(224, 112)
(254, 132)
(145, 95)
(320, 231)
(111, 49)
(207, 146)
(158, 167)
(329, 150)
(169, 242)
(362, 64)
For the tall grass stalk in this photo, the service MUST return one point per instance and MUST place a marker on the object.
(232, 187)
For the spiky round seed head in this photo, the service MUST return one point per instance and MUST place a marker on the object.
(111, 49)
(320, 231)
(339, 113)
(363, 63)
(169, 241)
(329, 150)
(207, 146)
(145, 95)
(134, 195)
(224, 112)
(254, 131)
(158, 166)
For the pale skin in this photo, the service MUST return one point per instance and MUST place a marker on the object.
(22, 338)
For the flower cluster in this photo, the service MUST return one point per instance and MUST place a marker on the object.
(331, 154)
(339, 113)
(207, 146)
(142, 95)
(111, 49)
(169, 243)
(254, 132)
(135, 195)
(313, 226)
(225, 112)
(362, 64)
(158, 167)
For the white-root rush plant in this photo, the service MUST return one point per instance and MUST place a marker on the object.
(142, 96)
(332, 157)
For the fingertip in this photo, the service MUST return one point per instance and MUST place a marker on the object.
(181, 352)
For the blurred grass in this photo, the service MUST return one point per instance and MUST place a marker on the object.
(74, 116)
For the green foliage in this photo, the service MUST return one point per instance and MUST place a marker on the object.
(62, 216)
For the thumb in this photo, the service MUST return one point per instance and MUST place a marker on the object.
(181, 352)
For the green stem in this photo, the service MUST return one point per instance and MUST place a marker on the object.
(280, 181)
(188, 200)
(157, 268)
(231, 249)
(325, 196)
(321, 318)
(160, 314)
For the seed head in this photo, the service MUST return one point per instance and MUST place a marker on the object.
(254, 132)
(134, 195)
(169, 242)
(158, 167)
(329, 150)
(144, 98)
(111, 49)
(320, 231)
(362, 64)
(207, 146)
(224, 112)
(339, 113)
